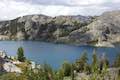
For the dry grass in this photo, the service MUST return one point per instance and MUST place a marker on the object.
(24, 65)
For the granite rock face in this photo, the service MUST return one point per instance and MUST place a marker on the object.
(106, 28)
(41, 27)
(103, 31)
(6, 65)
(85, 30)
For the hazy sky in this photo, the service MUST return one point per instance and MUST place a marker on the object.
(10, 9)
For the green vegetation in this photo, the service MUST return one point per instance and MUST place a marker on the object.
(81, 64)
(117, 61)
(66, 68)
(95, 64)
(20, 54)
(99, 67)
(97, 70)
(12, 76)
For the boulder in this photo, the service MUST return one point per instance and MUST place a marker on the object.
(3, 54)
(10, 67)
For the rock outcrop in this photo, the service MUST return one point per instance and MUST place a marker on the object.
(3, 54)
(85, 30)
(10, 67)
(41, 27)
(6, 65)
(111, 74)
(106, 28)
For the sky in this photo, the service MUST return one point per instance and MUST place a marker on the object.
(10, 9)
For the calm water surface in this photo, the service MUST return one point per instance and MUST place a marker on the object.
(54, 54)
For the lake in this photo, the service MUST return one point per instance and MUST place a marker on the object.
(54, 54)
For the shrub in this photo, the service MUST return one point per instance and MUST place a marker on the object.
(59, 75)
(13, 76)
(117, 61)
(66, 68)
(43, 73)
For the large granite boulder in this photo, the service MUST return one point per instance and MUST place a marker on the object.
(10, 67)
(3, 54)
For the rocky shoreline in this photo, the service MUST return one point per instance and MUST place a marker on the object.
(10, 65)
(7, 65)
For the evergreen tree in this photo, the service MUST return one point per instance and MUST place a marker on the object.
(66, 67)
(103, 62)
(81, 63)
(94, 61)
(20, 54)
(95, 66)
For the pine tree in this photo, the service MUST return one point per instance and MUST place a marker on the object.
(95, 66)
(94, 61)
(20, 54)
(66, 67)
(82, 62)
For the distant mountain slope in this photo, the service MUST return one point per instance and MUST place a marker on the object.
(41, 27)
(104, 30)
(101, 31)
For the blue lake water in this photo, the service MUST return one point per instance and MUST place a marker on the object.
(54, 54)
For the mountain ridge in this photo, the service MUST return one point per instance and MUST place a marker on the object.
(103, 30)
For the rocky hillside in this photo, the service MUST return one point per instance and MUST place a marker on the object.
(41, 27)
(103, 30)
